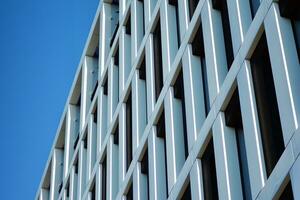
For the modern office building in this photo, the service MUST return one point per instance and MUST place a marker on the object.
(183, 99)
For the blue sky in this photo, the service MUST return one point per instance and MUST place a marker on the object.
(41, 42)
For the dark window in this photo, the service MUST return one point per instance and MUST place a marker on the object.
(93, 193)
(68, 189)
(116, 136)
(145, 170)
(267, 108)
(129, 195)
(116, 2)
(175, 4)
(157, 60)
(233, 119)
(192, 7)
(209, 173)
(254, 5)
(187, 193)
(95, 115)
(296, 31)
(128, 26)
(287, 193)
(76, 167)
(116, 63)
(128, 131)
(105, 87)
(221, 5)
(85, 142)
(116, 58)
(161, 132)
(198, 50)
(103, 181)
(96, 52)
(179, 94)
(290, 9)
(142, 70)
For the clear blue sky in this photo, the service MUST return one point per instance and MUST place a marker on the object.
(41, 42)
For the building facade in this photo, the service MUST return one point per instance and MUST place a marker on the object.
(183, 99)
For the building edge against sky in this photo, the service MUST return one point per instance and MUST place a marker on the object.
(182, 99)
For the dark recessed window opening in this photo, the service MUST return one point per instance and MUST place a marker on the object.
(116, 136)
(103, 181)
(254, 5)
(287, 193)
(187, 193)
(85, 142)
(93, 193)
(78, 104)
(145, 170)
(233, 118)
(157, 60)
(179, 94)
(175, 4)
(267, 108)
(128, 131)
(198, 50)
(296, 31)
(192, 7)
(142, 70)
(77, 119)
(96, 53)
(129, 195)
(221, 5)
(76, 167)
(68, 189)
(128, 26)
(105, 87)
(116, 58)
(95, 115)
(116, 63)
(209, 173)
(161, 132)
(290, 9)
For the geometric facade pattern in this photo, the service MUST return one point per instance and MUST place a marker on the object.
(182, 99)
